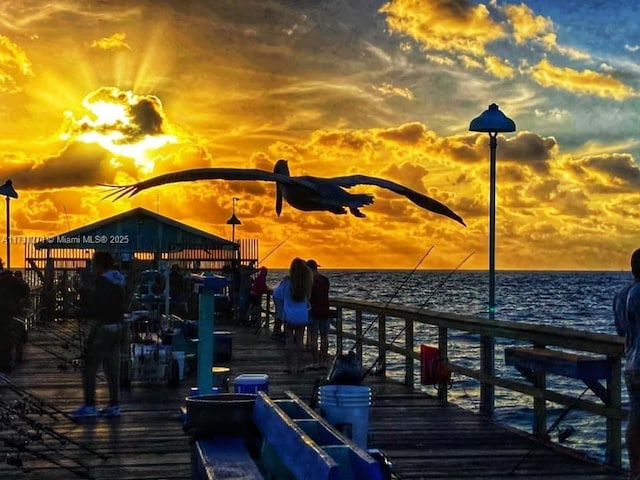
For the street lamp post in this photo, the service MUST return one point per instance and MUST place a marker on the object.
(491, 121)
(9, 192)
(233, 220)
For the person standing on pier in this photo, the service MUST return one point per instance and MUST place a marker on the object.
(294, 292)
(258, 289)
(102, 346)
(319, 316)
(626, 309)
(9, 307)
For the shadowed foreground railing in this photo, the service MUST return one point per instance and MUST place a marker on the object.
(386, 323)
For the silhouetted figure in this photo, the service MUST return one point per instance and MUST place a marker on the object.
(319, 316)
(102, 346)
(258, 289)
(626, 309)
(9, 307)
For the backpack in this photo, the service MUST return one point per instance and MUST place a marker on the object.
(345, 370)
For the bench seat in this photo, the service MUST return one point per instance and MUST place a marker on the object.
(224, 458)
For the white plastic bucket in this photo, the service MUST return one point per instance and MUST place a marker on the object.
(346, 407)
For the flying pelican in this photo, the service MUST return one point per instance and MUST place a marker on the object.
(305, 193)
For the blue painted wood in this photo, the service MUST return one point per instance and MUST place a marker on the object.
(301, 455)
(224, 458)
(359, 463)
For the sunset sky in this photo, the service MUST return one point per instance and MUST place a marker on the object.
(120, 91)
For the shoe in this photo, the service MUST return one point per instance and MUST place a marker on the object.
(110, 411)
(85, 411)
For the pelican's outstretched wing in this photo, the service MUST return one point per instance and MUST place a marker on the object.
(191, 175)
(419, 199)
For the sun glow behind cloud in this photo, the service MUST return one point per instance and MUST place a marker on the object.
(122, 123)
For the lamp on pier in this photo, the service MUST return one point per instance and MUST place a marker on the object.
(233, 220)
(491, 121)
(9, 192)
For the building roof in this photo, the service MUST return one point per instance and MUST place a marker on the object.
(136, 230)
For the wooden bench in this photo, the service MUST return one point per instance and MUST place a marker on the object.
(224, 457)
(300, 444)
(531, 361)
(534, 363)
(297, 444)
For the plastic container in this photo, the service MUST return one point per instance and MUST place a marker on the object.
(251, 383)
(346, 407)
(222, 346)
(225, 414)
(221, 378)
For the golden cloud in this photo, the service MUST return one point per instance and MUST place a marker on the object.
(113, 42)
(585, 82)
(526, 25)
(12, 59)
(498, 68)
(443, 26)
(388, 90)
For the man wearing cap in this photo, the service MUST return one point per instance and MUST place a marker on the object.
(319, 316)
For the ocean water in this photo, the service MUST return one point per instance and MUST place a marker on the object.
(578, 300)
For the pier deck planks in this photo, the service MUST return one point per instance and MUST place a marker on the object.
(424, 439)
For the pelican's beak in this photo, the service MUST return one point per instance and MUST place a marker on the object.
(278, 199)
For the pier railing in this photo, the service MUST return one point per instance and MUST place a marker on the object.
(391, 328)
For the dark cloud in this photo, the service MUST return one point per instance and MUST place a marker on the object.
(621, 168)
(528, 149)
(77, 165)
(143, 115)
(410, 133)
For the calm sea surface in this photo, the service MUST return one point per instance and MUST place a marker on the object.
(579, 300)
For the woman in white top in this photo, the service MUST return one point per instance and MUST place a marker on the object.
(294, 292)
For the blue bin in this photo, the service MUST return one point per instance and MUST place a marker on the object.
(251, 383)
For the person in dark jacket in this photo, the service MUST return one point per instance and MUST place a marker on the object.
(102, 346)
(319, 317)
(9, 307)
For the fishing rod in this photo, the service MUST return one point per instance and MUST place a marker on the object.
(433, 292)
(22, 448)
(57, 436)
(26, 437)
(38, 402)
(386, 305)
(548, 430)
(270, 252)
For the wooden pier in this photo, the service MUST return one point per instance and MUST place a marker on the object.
(424, 437)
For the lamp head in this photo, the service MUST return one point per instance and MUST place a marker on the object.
(492, 120)
(7, 190)
(234, 220)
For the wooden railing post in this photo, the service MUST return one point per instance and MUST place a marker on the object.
(338, 330)
(443, 346)
(408, 345)
(382, 347)
(359, 334)
(613, 454)
(539, 403)
(487, 369)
